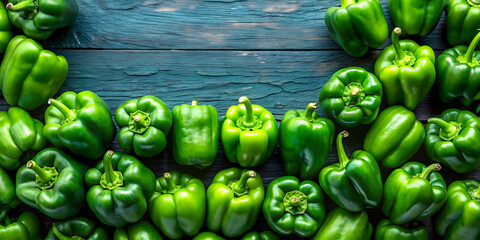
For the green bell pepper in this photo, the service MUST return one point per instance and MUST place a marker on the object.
(142, 230)
(357, 25)
(352, 97)
(458, 71)
(40, 18)
(120, 186)
(178, 206)
(416, 17)
(195, 134)
(341, 224)
(305, 141)
(406, 71)
(249, 134)
(53, 183)
(264, 235)
(294, 207)
(144, 124)
(5, 29)
(76, 229)
(463, 20)
(8, 199)
(21, 135)
(25, 227)
(386, 230)
(80, 122)
(353, 184)
(30, 75)
(413, 192)
(394, 137)
(234, 200)
(460, 217)
(208, 236)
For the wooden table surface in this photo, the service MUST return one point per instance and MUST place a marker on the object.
(278, 53)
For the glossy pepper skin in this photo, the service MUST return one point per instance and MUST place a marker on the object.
(21, 135)
(195, 134)
(341, 224)
(234, 200)
(144, 124)
(463, 21)
(459, 218)
(406, 71)
(294, 207)
(40, 18)
(305, 141)
(249, 134)
(416, 17)
(413, 192)
(208, 236)
(52, 182)
(142, 230)
(458, 73)
(30, 75)
(386, 230)
(26, 227)
(5, 29)
(178, 206)
(357, 25)
(80, 122)
(76, 228)
(264, 235)
(353, 184)
(352, 97)
(394, 137)
(8, 199)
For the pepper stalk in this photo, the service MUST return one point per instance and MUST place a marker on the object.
(307, 114)
(68, 114)
(60, 235)
(240, 187)
(110, 179)
(448, 131)
(468, 58)
(342, 156)
(404, 58)
(434, 167)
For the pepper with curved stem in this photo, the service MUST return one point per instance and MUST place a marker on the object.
(240, 187)
(60, 235)
(78, 228)
(308, 113)
(45, 177)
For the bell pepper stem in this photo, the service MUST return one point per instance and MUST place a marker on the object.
(171, 186)
(194, 103)
(476, 193)
(449, 130)
(342, 156)
(248, 120)
(58, 234)
(345, 3)
(67, 112)
(471, 48)
(296, 202)
(435, 167)
(42, 174)
(396, 44)
(307, 114)
(239, 185)
(26, 5)
(110, 175)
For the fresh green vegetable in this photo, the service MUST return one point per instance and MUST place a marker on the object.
(416, 17)
(264, 235)
(341, 224)
(78, 228)
(386, 230)
(8, 199)
(5, 29)
(142, 230)
(208, 236)
(25, 227)
(463, 21)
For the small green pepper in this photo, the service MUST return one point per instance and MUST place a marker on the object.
(341, 224)
(76, 229)
(386, 230)
(25, 227)
(142, 230)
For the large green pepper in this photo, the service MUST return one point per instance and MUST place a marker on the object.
(341, 224)
(5, 29)
(305, 141)
(460, 217)
(458, 71)
(120, 187)
(208, 236)
(21, 135)
(413, 192)
(406, 71)
(195, 134)
(352, 97)
(234, 200)
(264, 235)
(30, 75)
(463, 21)
(357, 25)
(142, 230)
(386, 230)
(76, 229)
(178, 205)
(144, 124)
(8, 199)
(40, 18)
(53, 183)
(249, 134)
(416, 17)
(353, 184)
(394, 137)
(294, 207)
(25, 227)
(80, 122)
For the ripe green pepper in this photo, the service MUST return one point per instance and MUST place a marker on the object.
(357, 25)
(21, 135)
(458, 71)
(341, 224)
(76, 229)
(416, 17)
(40, 18)
(208, 236)
(394, 137)
(80, 122)
(8, 199)
(249, 134)
(352, 184)
(234, 200)
(30, 75)
(5, 29)
(294, 207)
(53, 183)
(142, 230)
(264, 235)
(305, 141)
(144, 124)
(25, 227)
(460, 217)
(195, 134)
(413, 192)
(120, 186)
(463, 21)
(352, 97)
(178, 205)
(386, 230)
(406, 71)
